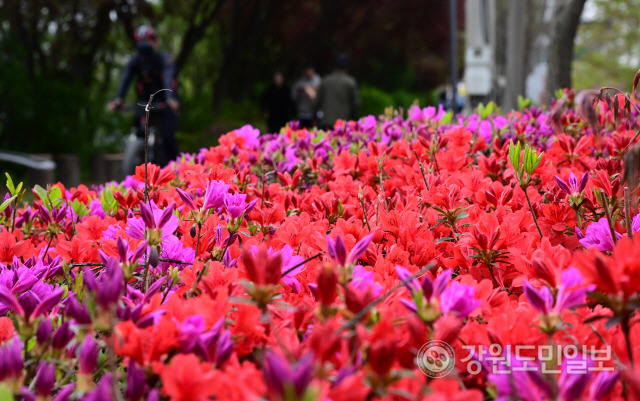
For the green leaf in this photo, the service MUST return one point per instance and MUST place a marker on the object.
(486, 111)
(10, 186)
(30, 343)
(537, 162)
(79, 208)
(523, 102)
(481, 110)
(512, 152)
(108, 201)
(527, 162)
(446, 119)
(56, 196)
(42, 194)
(318, 138)
(514, 155)
(6, 203)
(5, 393)
(492, 107)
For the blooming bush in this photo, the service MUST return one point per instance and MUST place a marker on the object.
(421, 257)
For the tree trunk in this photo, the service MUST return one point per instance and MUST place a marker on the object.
(516, 46)
(564, 26)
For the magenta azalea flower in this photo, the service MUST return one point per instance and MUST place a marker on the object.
(283, 378)
(364, 279)
(338, 252)
(635, 224)
(234, 204)
(459, 299)
(430, 288)
(251, 136)
(599, 236)
(214, 194)
(156, 219)
(571, 293)
(574, 187)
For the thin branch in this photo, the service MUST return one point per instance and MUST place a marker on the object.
(424, 178)
(87, 264)
(317, 255)
(535, 219)
(179, 262)
(147, 109)
(607, 213)
(627, 212)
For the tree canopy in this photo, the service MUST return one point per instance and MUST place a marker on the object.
(62, 58)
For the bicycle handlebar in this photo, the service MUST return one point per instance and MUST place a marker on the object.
(128, 107)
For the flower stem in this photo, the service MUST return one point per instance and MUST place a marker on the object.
(13, 215)
(202, 271)
(146, 273)
(578, 217)
(198, 240)
(535, 219)
(364, 212)
(317, 255)
(164, 296)
(626, 329)
(384, 199)
(607, 212)
(627, 212)
(48, 245)
(424, 178)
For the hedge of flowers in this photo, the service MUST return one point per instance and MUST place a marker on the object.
(318, 264)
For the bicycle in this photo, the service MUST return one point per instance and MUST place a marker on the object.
(135, 144)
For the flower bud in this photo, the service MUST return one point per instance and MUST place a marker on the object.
(153, 256)
(45, 379)
(62, 336)
(88, 358)
(327, 281)
(44, 331)
(136, 384)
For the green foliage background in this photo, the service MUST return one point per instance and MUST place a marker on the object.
(62, 60)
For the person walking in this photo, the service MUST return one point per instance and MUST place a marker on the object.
(338, 96)
(277, 104)
(154, 70)
(304, 94)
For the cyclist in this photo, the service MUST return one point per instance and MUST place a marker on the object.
(154, 70)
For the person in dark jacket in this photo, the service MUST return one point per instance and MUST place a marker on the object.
(338, 96)
(277, 104)
(154, 70)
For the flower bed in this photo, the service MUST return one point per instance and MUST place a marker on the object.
(417, 257)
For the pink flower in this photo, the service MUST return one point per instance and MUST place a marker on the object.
(635, 224)
(153, 217)
(459, 299)
(250, 136)
(599, 236)
(574, 187)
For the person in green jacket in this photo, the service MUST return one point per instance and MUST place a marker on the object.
(338, 96)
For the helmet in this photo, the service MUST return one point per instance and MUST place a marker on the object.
(145, 33)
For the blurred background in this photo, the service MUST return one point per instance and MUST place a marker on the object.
(61, 60)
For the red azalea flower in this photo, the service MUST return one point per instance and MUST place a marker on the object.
(6, 329)
(187, 379)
